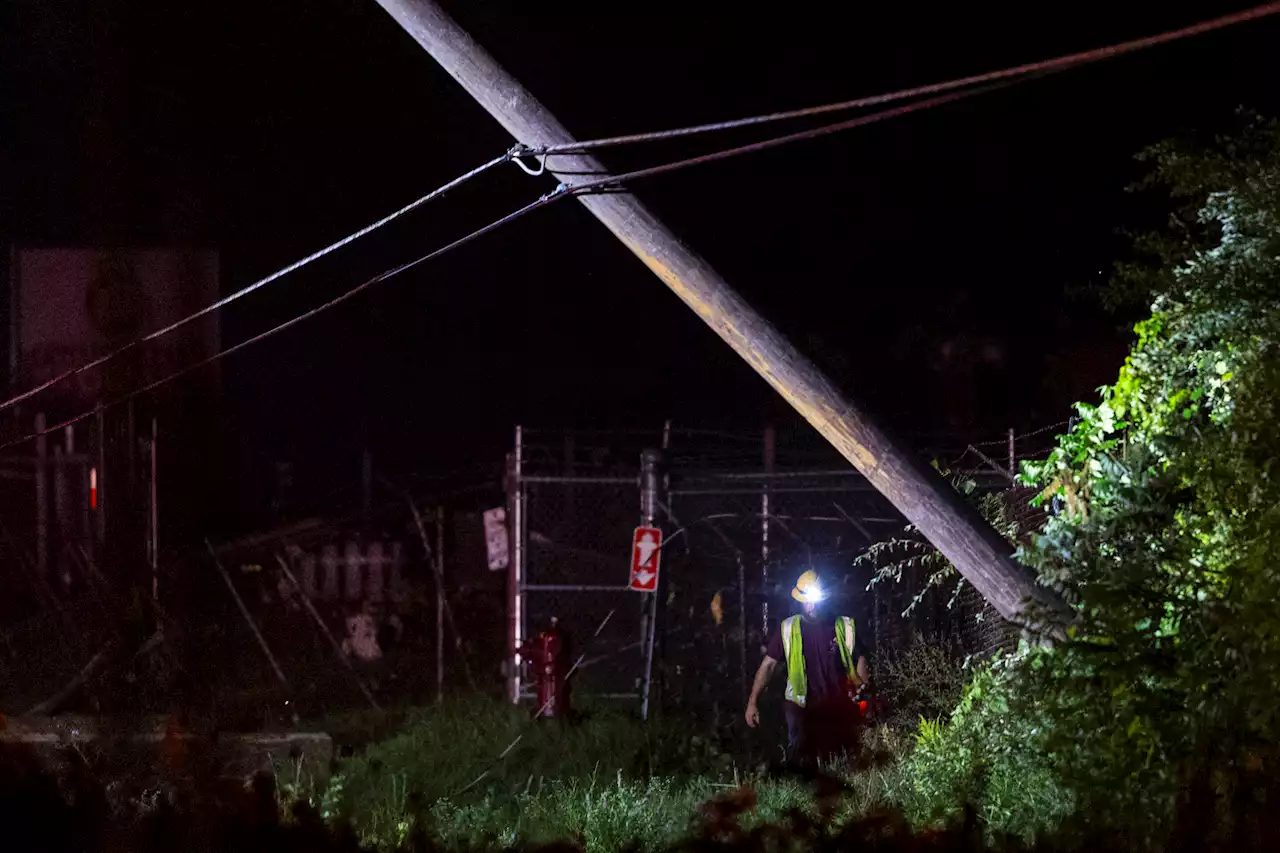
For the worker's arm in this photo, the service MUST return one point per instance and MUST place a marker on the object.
(763, 674)
(863, 672)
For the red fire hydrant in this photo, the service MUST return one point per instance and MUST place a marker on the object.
(548, 655)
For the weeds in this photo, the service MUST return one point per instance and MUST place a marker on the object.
(923, 681)
(606, 784)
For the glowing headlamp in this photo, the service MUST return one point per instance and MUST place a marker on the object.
(813, 594)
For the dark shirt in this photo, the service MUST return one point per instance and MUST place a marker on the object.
(824, 672)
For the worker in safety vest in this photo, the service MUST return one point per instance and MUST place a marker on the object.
(826, 669)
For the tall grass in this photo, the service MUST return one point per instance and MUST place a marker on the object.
(606, 783)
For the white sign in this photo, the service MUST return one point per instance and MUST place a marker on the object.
(495, 539)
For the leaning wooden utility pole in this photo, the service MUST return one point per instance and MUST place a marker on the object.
(924, 498)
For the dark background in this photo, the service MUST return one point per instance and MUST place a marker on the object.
(270, 129)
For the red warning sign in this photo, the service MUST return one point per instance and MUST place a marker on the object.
(646, 555)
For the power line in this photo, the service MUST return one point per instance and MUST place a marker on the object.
(561, 191)
(613, 183)
(337, 300)
(260, 283)
(1060, 63)
(1003, 77)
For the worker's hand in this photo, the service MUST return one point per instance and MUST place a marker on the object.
(752, 715)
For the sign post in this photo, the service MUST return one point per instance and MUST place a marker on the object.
(646, 556)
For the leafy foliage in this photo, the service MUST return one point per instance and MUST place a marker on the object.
(911, 558)
(988, 755)
(1165, 544)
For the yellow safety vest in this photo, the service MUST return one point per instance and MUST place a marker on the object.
(797, 684)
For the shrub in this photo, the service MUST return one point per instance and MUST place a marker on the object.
(1160, 711)
(989, 753)
(923, 681)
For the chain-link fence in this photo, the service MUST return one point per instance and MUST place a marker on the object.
(742, 516)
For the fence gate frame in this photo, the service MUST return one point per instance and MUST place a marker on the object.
(764, 492)
(655, 494)
(649, 485)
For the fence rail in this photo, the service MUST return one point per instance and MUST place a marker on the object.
(736, 535)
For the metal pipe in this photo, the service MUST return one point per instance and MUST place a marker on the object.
(155, 516)
(517, 562)
(545, 587)
(576, 480)
(440, 604)
(777, 490)
(770, 451)
(779, 475)
(742, 624)
(1013, 456)
(28, 462)
(650, 481)
(42, 499)
(102, 476)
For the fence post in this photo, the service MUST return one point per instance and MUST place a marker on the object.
(650, 487)
(153, 517)
(770, 453)
(440, 593)
(101, 508)
(42, 499)
(515, 566)
(366, 486)
(1013, 457)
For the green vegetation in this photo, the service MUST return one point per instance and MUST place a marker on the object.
(923, 681)
(1169, 686)
(1155, 719)
(606, 782)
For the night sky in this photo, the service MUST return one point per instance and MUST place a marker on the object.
(270, 129)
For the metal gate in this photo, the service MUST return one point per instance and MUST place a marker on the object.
(741, 515)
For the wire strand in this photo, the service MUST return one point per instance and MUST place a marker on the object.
(261, 336)
(1060, 63)
(614, 181)
(605, 184)
(609, 184)
(561, 191)
(260, 283)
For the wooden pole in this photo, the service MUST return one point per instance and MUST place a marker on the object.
(942, 515)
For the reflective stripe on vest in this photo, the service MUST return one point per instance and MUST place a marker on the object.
(797, 683)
